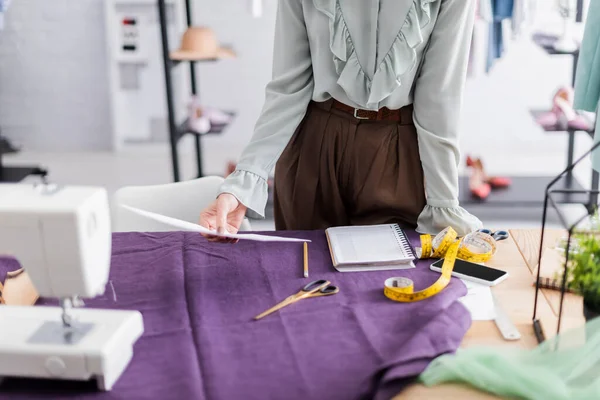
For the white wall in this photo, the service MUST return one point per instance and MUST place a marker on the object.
(53, 72)
(53, 76)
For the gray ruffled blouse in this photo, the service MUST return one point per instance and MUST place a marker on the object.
(367, 53)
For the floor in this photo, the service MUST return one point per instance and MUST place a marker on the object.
(496, 126)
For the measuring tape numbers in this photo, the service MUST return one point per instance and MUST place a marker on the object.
(402, 289)
(476, 247)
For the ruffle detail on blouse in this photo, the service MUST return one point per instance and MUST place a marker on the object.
(436, 216)
(400, 59)
(250, 188)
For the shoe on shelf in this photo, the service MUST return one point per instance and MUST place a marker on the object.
(477, 183)
(198, 121)
(216, 117)
(563, 115)
(493, 182)
(200, 125)
(496, 182)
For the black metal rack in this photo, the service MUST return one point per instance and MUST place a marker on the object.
(552, 193)
(571, 132)
(179, 130)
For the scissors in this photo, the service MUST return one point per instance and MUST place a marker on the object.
(313, 289)
(497, 236)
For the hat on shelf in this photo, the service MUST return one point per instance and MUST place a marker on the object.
(199, 43)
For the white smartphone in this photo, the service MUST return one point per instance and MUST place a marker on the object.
(473, 272)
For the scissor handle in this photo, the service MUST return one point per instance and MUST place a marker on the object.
(315, 285)
(329, 290)
(321, 287)
(500, 235)
(326, 291)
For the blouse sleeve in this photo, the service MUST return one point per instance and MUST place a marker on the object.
(287, 98)
(438, 96)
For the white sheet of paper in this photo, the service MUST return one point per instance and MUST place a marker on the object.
(479, 302)
(188, 226)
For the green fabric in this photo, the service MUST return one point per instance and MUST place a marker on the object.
(587, 82)
(564, 368)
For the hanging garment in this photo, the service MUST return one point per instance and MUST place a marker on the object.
(587, 81)
(485, 10)
(502, 9)
(519, 17)
(479, 43)
(563, 368)
(479, 49)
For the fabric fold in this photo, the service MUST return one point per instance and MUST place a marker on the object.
(400, 59)
(250, 189)
(440, 214)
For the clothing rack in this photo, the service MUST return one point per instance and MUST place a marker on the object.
(527, 190)
(179, 130)
(572, 183)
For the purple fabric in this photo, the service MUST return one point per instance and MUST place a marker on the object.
(200, 342)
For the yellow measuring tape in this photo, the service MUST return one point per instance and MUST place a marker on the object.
(475, 247)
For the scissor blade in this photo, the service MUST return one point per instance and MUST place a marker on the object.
(279, 306)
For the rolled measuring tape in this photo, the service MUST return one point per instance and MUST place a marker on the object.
(475, 247)
(402, 289)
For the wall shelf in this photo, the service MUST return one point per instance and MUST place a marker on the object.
(215, 129)
(178, 130)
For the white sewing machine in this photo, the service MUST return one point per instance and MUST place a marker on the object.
(62, 238)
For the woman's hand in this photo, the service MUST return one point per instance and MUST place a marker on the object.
(224, 215)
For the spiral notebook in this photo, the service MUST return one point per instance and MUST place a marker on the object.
(369, 248)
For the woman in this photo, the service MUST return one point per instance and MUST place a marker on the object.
(360, 119)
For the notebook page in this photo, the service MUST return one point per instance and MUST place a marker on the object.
(367, 244)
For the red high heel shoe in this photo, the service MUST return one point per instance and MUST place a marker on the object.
(496, 182)
(477, 185)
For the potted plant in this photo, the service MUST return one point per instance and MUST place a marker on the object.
(584, 271)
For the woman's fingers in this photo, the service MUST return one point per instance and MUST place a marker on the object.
(217, 217)
(223, 209)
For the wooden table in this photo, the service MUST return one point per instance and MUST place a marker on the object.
(518, 256)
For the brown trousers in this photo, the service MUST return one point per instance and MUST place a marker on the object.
(338, 170)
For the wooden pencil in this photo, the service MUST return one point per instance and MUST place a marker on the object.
(305, 259)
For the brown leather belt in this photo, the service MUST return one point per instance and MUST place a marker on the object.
(403, 115)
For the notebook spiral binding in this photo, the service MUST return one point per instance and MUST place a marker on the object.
(403, 241)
